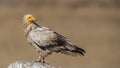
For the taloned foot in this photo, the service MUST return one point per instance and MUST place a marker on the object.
(40, 61)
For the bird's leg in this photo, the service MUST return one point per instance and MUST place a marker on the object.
(40, 59)
(43, 59)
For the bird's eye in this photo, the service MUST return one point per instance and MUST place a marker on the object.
(29, 17)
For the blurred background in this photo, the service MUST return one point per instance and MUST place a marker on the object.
(93, 25)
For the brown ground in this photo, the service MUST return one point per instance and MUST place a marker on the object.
(97, 30)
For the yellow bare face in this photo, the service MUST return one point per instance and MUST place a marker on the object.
(30, 19)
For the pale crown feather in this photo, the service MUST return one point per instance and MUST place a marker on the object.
(25, 17)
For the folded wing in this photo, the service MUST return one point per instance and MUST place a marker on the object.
(54, 42)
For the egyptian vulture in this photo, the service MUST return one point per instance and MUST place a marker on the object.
(47, 41)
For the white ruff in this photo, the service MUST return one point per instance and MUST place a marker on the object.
(39, 29)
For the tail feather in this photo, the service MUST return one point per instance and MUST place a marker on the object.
(73, 51)
(79, 51)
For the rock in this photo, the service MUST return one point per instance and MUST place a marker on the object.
(26, 64)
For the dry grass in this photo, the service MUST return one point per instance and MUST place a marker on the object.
(96, 30)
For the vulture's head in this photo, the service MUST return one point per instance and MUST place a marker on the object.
(29, 19)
